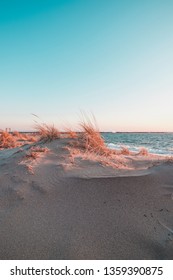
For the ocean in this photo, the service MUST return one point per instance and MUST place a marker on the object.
(156, 143)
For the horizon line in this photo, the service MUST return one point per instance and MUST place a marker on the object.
(35, 131)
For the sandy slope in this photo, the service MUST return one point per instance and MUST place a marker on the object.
(81, 210)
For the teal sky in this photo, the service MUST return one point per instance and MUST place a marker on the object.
(110, 57)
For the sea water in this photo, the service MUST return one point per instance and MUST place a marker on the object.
(156, 143)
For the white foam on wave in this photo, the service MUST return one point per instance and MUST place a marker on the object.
(133, 148)
(113, 146)
(120, 146)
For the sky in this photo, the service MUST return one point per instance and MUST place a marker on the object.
(113, 58)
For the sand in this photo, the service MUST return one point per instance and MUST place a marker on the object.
(66, 208)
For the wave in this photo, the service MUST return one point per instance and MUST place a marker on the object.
(155, 143)
(133, 148)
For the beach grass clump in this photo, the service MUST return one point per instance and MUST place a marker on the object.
(143, 152)
(24, 136)
(27, 137)
(16, 134)
(47, 132)
(125, 151)
(35, 152)
(71, 134)
(90, 145)
(31, 138)
(14, 139)
(90, 138)
(7, 140)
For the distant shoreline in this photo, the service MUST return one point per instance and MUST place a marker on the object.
(116, 132)
(135, 132)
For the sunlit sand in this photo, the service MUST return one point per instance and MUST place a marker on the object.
(69, 196)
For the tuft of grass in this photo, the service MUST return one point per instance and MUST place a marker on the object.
(16, 134)
(31, 139)
(125, 151)
(143, 152)
(71, 134)
(47, 132)
(90, 145)
(32, 155)
(7, 140)
(34, 152)
(90, 139)
(20, 136)
(14, 139)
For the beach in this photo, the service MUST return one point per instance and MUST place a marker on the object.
(86, 136)
(59, 207)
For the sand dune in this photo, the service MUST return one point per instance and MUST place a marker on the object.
(60, 207)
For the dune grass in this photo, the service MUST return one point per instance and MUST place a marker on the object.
(90, 145)
(14, 139)
(125, 151)
(47, 132)
(90, 139)
(35, 152)
(143, 152)
(7, 140)
(71, 134)
(16, 134)
(24, 136)
(31, 155)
